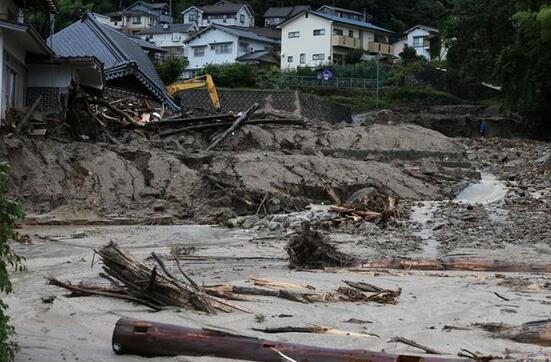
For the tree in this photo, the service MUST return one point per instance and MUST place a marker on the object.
(233, 75)
(171, 68)
(10, 212)
(524, 67)
(353, 56)
(409, 55)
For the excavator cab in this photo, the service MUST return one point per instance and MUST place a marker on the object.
(197, 82)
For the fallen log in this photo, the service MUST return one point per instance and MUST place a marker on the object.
(296, 122)
(150, 339)
(310, 250)
(28, 115)
(234, 126)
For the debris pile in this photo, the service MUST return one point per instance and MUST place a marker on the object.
(132, 280)
(310, 250)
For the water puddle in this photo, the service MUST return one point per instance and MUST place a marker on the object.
(487, 191)
(423, 213)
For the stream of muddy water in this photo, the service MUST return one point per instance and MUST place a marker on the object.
(489, 192)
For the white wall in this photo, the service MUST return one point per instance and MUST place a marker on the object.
(49, 76)
(233, 20)
(210, 57)
(306, 43)
(206, 39)
(399, 47)
(166, 41)
(185, 17)
(421, 51)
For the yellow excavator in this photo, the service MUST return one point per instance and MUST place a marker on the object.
(197, 82)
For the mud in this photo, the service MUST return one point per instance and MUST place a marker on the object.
(144, 179)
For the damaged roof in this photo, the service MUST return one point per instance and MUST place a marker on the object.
(119, 53)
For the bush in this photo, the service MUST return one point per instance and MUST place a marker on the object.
(234, 75)
(171, 68)
(10, 212)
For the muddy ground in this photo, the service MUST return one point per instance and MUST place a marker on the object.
(458, 197)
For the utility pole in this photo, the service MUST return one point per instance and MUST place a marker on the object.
(377, 92)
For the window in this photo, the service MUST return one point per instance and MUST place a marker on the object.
(224, 48)
(289, 59)
(320, 56)
(294, 34)
(338, 31)
(351, 33)
(319, 32)
(12, 88)
(302, 58)
(136, 20)
(176, 36)
(242, 18)
(198, 51)
(418, 41)
(151, 20)
(192, 16)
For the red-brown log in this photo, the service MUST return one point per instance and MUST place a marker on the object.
(149, 339)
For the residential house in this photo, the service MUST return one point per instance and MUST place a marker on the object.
(219, 44)
(29, 68)
(313, 38)
(342, 13)
(140, 16)
(127, 66)
(261, 58)
(223, 13)
(170, 37)
(277, 15)
(420, 38)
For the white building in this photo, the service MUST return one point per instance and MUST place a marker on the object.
(219, 44)
(171, 37)
(223, 13)
(314, 38)
(419, 38)
(139, 16)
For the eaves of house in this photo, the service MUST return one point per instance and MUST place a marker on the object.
(125, 62)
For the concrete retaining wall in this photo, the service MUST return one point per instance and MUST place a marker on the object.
(306, 105)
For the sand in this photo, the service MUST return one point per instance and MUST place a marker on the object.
(80, 329)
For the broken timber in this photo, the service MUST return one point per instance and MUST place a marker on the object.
(149, 339)
(309, 249)
(235, 126)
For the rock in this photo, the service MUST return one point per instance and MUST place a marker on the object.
(273, 226)
(362, 194)
(545, 161)
(159, 207)
(249, 221)
(384, 116)
(79, 235)
(428, 166)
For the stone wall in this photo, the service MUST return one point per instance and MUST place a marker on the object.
(306, 105)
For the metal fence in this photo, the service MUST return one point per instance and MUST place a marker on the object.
(293, 82)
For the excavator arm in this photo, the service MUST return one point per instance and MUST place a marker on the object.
(197, 82)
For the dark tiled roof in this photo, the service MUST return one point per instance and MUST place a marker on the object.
(239, 32)
(359, 24)
(225, 8)
(147, 45)
(341, 10)
(169, 28)
(286, 11)
(258, 56)
(261, 31)
(114, 49)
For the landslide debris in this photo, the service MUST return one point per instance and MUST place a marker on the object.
(143, 178)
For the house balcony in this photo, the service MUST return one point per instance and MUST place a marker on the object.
(346, 41)
(380, 48)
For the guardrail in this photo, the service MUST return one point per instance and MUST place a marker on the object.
(293, 82)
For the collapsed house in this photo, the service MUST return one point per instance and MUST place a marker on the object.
(30, 72)
(128, 69)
